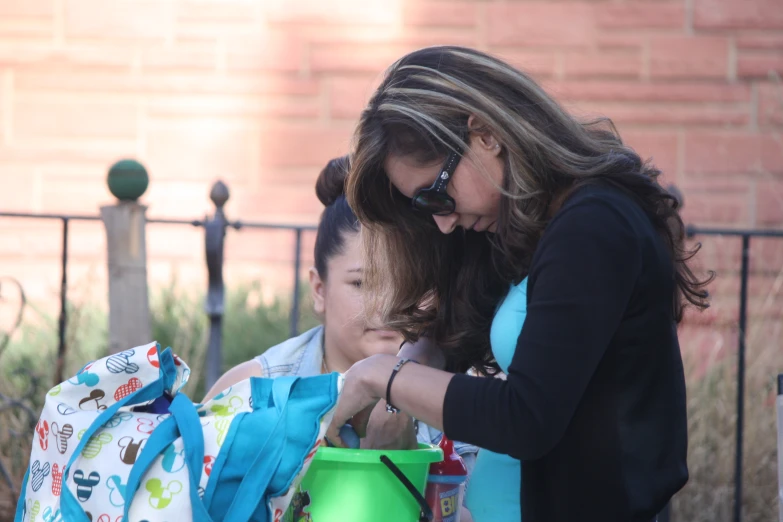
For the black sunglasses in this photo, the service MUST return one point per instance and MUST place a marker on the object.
(434, 200)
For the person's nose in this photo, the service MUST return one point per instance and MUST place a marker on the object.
(447, 224)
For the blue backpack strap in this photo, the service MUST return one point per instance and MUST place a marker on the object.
(184, 422)
(252, 491)
(185, 414)
(164, 434)
(20, 509)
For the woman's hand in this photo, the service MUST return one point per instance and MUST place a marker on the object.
(358, 396)
(418, 391)
(389, 431)
(392, 432)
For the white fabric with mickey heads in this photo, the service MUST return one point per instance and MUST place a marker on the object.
(98, 474)
(90, 436)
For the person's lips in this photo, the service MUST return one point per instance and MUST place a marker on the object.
(383, 334)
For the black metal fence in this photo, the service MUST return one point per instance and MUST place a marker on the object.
(215, 229)
(745, 236)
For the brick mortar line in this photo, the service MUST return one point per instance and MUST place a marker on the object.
(325, 116)
(8, 106)
(141, 127)
(680, 173)
(136, 67)
(732, 60)
(754, 107)
(752, 203)
(482, 25)
(100, 98)
(559, 72)
(305, 61)
(37, 191)
(170, 11)
(689, 18)
(58, 25)
(221, 57)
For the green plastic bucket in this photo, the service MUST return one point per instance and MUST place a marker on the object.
(352, 485)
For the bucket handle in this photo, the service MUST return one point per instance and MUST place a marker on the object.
(426, 512)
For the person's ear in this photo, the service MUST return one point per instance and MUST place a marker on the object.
(317, 292)
(481, 135)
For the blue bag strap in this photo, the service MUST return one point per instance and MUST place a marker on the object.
(281, 391)
(164, 434)
(186, 416)
(72, 510)
(20, 506)
(184, 422)
(252, 491)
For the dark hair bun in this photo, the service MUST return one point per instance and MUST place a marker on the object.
(331, 182)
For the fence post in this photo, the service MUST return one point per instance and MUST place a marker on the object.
(62, 322)
(129, 310)
(294, 319)
(743, 319)
(215, 233)
(780, 446)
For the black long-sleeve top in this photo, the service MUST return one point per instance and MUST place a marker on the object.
(594, 402)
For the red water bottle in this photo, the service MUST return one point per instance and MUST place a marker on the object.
(446, 484)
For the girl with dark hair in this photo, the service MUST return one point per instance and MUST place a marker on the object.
(335, 283)
(510, 235)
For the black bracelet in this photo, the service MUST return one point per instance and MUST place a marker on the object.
(400, 364)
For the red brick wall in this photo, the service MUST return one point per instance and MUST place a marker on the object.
(262, 93)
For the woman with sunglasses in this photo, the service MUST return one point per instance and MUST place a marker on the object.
(473, 187)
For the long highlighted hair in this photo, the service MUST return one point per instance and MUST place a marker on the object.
(423, 282)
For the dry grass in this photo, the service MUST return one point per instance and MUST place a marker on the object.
(709, 495)
(710, 354)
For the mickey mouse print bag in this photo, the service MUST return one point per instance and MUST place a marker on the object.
(87, 434)
(117, 442)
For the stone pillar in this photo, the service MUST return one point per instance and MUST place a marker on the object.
(129, 310)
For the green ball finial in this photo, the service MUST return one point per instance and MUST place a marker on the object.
(128, 180)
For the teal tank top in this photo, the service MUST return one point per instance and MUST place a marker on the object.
(493, 491)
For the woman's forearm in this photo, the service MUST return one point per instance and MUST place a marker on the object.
(417, 389)
(386, 431)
